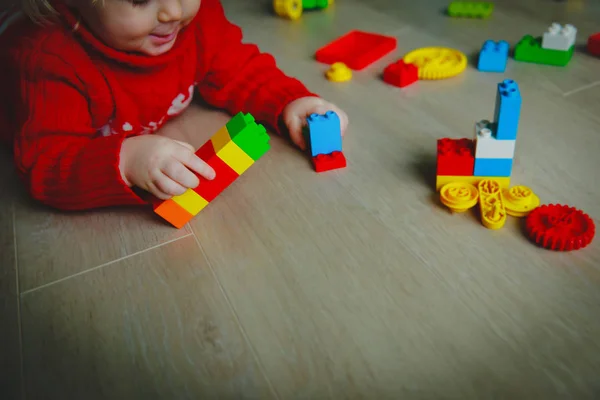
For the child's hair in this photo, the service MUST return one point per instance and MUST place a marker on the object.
(39, 11)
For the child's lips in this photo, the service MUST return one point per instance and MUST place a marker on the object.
(163, 38)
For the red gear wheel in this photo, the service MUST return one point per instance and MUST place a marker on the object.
(560, 227)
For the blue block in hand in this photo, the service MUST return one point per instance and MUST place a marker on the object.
(324, 133)
(493, 56)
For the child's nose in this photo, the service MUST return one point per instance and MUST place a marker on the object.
(170, 10)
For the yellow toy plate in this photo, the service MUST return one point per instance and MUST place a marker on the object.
(459, 196)
(437, 62)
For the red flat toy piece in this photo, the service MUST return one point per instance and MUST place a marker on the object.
(356, 49)
(455, 157)
(401, 74)
(593, 44)
(328, 162)
(561, 228)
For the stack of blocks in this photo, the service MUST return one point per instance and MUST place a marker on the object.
(324, 138)
(555, 47)
(491, 153)
(230, 152)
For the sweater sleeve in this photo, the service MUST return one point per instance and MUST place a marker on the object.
(60, 156)
(237, 76)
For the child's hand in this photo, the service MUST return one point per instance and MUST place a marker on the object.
(295, 113)
(161, 166)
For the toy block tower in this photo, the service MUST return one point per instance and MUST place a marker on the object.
(495, 143)
(230, 152)
(490, 155)
(324, 139)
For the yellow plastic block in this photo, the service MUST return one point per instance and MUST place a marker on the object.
(229, 152)
(190, 201)
(459, 196)
(491, 204)
(442, 180)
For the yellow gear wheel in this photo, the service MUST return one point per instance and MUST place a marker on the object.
(520, 200)
(291, 9)
(437, 62)
(459, 196)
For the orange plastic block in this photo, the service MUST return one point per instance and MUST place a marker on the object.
(173, 213)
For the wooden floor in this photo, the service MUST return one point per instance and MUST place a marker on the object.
(350, 284)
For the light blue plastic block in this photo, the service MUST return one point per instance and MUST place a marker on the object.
(508, 110)
(493, 56)
(493, 167)
(324, 133)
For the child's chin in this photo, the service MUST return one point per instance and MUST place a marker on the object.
(154, 50)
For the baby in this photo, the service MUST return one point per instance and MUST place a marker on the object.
(86, 86)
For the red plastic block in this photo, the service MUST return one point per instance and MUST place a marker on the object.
(455, 157)
(560, 228)
(593, 44)
(225, 175)
(401, 74)
(356, 49)
(327, 162)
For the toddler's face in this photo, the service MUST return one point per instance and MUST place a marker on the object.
(144, 26)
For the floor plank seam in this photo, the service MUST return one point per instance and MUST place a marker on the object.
(18, 299)
(581, 89)
(237, 319)
(29, 291)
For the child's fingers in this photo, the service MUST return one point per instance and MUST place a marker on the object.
(165, 186)
(185, 144)
(294, 125)
(180, 174)
(198, 165)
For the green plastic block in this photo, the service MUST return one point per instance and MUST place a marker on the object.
(248, 135)
(529, 49)
(470, 9)
(314, 4)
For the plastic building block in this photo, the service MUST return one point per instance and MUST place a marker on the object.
(328, 162)
(324, 134)
(491, 204)
(190, 201)
(488, 146)
(593, 44)
(173, 213)
(401, 74)
(558, 37)
(493, 56)
(455, 156)
(357, 49)
(228, 158)
(230, 152)
(559, 227)
(338, 72)
(442, 180)
(529, 49)
(459, 196)
(225, 175)
(292, 9)
(520, 200)
(470, 9)
(437, 62)
(251, 137)
(508, 110)
(493, 167)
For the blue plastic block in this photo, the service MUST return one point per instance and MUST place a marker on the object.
(324, 133)
(508, 110)
(493, 167)
(493, 56)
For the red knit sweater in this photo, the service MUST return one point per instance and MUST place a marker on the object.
(67, 101)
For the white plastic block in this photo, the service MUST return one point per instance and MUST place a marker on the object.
(559, 37)
(487, 146)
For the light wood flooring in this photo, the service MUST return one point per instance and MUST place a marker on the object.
(349, 284)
